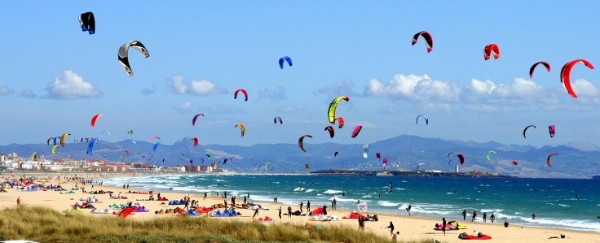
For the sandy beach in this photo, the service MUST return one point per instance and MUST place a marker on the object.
(410, 227)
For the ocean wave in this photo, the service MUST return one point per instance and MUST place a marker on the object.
(299, 189)
(387, 204)
(310, 190)
(330, 191)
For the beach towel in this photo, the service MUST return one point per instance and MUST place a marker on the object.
(479, 236)
(126, 212)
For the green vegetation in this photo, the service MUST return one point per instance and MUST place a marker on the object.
(46, 225)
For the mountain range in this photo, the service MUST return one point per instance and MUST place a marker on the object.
(404, 152)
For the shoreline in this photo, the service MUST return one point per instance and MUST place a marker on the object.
(411, 228)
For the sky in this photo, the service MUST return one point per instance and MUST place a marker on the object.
(54, 77)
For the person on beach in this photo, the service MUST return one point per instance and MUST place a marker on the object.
(324, 210)
(464, 214)
(333, 204)
(492, 218)
(505, 223)
(391, 227)
(474, 216)
(18, 201)
(395, 236)
(301, 206)
(158, 195)
(484, 217)
(187, 204)
(361, 223)
(308, 206)
(289, 211)
(206, 194)
(255, 212)
(244, 199)
(408, 209)
(275, 199)
(533, 216)
(279, 212)
(444, 225)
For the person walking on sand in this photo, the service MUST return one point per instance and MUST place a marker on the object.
(289, 211)
(391, 227)
(395, 236)
(255, 212)
(279, 212)
(301, 205)
(492, 218)
(333, 204)
(308, 206)
(484, 217)
(444, 225)
(474, 216)
(18, 201)
(464, 214)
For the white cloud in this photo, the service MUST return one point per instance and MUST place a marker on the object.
(201, 87)
(185, 106)
(519, 88)
(70, 85)
(584, 88)
(416, 88)
(4, 90)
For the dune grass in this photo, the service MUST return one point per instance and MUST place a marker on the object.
(47, 225)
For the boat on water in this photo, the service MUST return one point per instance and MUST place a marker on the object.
(384, 173)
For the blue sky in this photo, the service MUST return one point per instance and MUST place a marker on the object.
(54, 77)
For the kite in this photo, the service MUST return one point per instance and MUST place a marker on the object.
(235, 94)
(340, 122)
(87, 22)
(123, 54)
(155, 146)
(195, 140)
(489, 49)
(63, 138)
(548, 159)
(461, 158)
(90, 149)
(333, 107)
(525, 130)
(330, 130)
(427, 38)
(242, 128)
(489, 154)
(424, 118)
(285, 59)
(301, 142)
(532, 68)
(94, 119)
(356, 130)
(565, 74)
(552, 130)
(196, 117)
(277, 119)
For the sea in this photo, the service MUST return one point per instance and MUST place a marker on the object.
(557, 203)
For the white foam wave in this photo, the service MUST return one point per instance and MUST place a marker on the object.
(387, 204)
(330, 191)
(310, 190)
(299, 189)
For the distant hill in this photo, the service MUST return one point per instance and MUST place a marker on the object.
(574, 160)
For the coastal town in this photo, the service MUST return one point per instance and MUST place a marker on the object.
(13, 162)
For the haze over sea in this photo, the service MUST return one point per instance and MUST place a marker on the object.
(558, 203)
